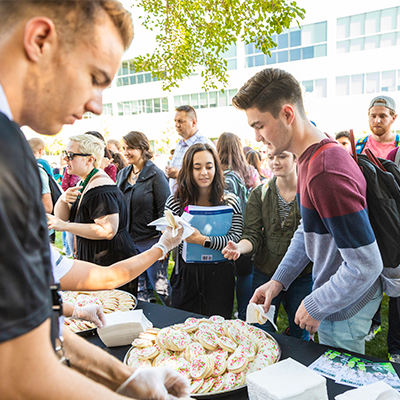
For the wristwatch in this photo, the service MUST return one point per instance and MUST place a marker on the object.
(207, 243)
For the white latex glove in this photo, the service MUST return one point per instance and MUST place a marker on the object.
(167, 242)
(157, 383)
(90, 312)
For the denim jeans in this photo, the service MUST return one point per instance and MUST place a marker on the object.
(350, 334)
(156, 276)
(68, 243)
(290, 299)
(244, 292)
(393, 338)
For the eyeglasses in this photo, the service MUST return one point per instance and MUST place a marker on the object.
(71, 155)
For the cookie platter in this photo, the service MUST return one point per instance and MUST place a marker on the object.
(214, 353)
(109, 300)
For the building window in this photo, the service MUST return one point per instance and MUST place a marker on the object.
(292, 45)
(342, 86)
(128, 76)
(375, 82)
(206, 99)
(147, 106)
(230, 57)
(317, 87)
(388, 81)
(368, 31)
(357, 84)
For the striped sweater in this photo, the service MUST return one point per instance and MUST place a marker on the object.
(234, 233)
(335, 233)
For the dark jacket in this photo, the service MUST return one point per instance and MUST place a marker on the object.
(263, 229)
(145, 199)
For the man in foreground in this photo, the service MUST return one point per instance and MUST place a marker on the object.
(335, 232)
(57, 58)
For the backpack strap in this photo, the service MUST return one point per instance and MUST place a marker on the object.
(320, 150)
(397, 158)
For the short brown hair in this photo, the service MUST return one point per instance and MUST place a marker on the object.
(69, 16)
(36, 144)
(268, 91)
(138, 140)
(189, 110)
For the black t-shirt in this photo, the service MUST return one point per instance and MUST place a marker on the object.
(25, 269)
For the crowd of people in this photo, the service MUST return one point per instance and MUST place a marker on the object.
(300, 233)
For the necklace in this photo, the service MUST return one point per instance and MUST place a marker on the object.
(136, 173)
(87, 179)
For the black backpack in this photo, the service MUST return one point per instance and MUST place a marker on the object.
(383, 199)
(55, 188)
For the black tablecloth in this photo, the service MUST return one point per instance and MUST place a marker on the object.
(299, 350)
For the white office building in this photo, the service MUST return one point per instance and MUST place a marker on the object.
(345, 53)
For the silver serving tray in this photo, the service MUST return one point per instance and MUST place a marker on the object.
(90, 331)
(221, 392)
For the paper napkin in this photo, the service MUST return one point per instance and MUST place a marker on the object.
(376, 391)
(271, 383)
(163, 222)
(255, 314)
(122, 327)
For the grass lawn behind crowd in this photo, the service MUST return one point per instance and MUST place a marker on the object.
(375, 348)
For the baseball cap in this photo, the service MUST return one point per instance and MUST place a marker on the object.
(383, 101)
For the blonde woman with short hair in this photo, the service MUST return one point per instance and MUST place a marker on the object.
(94, 210)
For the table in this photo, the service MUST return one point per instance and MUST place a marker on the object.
(300, 350)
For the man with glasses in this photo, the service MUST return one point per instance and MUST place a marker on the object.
(57, 56)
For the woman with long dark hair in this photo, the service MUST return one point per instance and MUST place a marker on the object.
(146, 189)
(204, 288)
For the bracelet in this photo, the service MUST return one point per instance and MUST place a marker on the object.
(162, 248)
(125, 384)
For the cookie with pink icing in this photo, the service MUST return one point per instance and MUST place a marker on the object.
(207, 385)
(259, 363)
(180, 365)
(234, 334)
(162, 357)
(219, 365)
(231, 380)
(208, 339)
(141, 343)
(219, 352)
(226, 344)
(219, 383)
(161, 338)
(194, 350)
(199, 367)
(178, 340)
(136, 362)
(217, 319)
(148, 352)
(190, 325)
(218, 329)
(196, 385)
(237, 362)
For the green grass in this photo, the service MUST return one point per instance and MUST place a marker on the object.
(375, 348)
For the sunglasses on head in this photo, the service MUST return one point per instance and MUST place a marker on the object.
(71, 155)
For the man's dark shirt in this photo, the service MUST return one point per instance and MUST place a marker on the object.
(25, 270)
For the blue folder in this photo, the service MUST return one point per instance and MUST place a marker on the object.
(210, 221)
